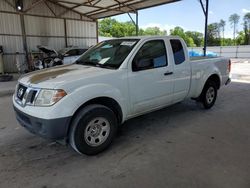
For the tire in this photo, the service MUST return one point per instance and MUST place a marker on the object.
(209, 94)
(5, 78)
(93, 129)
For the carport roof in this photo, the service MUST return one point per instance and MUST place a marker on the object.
(95, 9)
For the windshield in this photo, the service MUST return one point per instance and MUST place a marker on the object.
(108, 54)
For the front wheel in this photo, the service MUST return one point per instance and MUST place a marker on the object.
(93, 129)
(209, 94)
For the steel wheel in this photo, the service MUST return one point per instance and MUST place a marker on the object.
(93, 129)
(97, 131)
(210, 95)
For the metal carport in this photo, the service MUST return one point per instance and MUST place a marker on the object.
(96, 9)
(60, 23)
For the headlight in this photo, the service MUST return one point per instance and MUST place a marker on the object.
(48, 97)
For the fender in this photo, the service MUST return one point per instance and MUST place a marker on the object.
(88, 92)
(202, 79)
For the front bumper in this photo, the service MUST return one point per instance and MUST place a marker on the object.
(55, 129)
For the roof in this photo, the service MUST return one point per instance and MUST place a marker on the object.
(95, 9)
(148, 37)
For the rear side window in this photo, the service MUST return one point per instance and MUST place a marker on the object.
(179, 56)
(151, 55)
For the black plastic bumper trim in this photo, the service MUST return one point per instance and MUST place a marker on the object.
(55, 129)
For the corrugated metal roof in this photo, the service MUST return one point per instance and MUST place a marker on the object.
(96, 9)
(87, 9)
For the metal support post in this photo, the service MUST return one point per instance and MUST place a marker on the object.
(24, 39)
(135, 23)
(137, 26)
(65, 33)
(205, 11)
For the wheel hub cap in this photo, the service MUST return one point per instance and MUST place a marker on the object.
(97, 131)
(210, 95)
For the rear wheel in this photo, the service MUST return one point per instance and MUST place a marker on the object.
(93, 129)
(209, 94)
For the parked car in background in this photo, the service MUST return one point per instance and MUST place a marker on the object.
(53, 58)
(71, 54)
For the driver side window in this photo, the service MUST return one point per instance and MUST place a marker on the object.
(151, 55)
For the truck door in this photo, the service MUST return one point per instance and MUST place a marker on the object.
(151, 78)
(182, 70)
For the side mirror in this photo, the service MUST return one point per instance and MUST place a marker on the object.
(142, 64)
(66, 55)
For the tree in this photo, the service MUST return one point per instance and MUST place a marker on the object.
(178, 31)
(234, 20)
(222, 27)
(154, 31)
(112, 28)
(213, 34)
(196, 36)
(246, 23)
(229, 42)
(217, 30)
(241, 38)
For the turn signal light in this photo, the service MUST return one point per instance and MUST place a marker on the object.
(58, 95)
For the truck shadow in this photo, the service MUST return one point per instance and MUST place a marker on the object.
(157, 122)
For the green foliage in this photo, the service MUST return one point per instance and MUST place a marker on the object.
(229, 42)
(112, 28)
(178, 31)
(196, 36)
(213, 34)
(222, 25)
(153, 31)
(234, 20)
(241, 38)
(246, 25)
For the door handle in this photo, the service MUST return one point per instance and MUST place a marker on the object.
(168, 73)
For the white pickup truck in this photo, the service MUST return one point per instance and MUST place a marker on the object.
(84, 103)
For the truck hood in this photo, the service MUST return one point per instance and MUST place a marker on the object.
(50, 78)
(47, 50)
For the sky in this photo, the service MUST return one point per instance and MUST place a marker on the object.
(189, 15)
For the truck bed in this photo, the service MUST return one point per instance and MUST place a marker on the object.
(196, 58)
(202, 67)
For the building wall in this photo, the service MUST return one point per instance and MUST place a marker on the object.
(41, 27)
